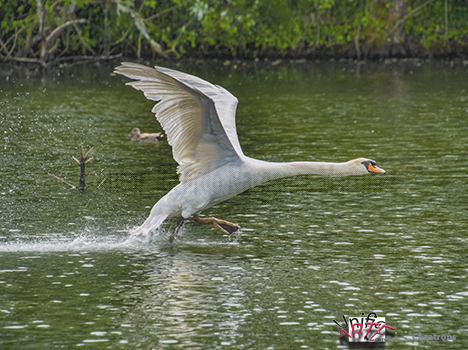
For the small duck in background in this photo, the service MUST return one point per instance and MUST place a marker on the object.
(146, 137)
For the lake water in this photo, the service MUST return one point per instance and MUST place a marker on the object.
(311, 249)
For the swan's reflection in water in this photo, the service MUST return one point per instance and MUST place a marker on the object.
(188, 297)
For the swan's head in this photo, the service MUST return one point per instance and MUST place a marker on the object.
(134, 132)
(362, 166)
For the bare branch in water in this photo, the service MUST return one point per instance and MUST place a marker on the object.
(62, 180)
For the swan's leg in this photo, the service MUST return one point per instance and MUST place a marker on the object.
(225, 227)
(176, 230)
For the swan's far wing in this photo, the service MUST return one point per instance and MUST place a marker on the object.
(225, 103)
(187, 112)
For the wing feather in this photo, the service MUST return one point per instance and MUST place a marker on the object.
(198, 117)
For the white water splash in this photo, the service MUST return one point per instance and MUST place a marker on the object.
(86, 241)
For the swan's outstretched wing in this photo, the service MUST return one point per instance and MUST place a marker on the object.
(198, 117)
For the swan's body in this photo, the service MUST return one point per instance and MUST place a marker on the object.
(145, 137)
(199, 120)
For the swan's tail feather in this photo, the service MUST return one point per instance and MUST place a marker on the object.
(151, 224)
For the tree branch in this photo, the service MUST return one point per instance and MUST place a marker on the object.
(408, 15)
(40, 15)
(62, 180)
(57, 31)
(141, 26)
(356, 41)
(82, 39)
(3, 46)
(150, 18)
(446, 26)
(25, 59)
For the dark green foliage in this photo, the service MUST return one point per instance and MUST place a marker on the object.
(52, 31)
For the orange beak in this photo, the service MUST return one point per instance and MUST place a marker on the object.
(375, 169)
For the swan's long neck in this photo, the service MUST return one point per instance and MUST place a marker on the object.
(273, 171)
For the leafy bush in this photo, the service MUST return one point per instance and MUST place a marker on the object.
(47, 31)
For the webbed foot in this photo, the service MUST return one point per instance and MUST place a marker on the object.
(224, 226)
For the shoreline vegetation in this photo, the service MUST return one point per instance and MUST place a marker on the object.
(52, 33)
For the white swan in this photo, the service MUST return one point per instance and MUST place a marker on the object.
(199, 120)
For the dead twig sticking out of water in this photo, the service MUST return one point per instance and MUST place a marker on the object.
(82, 163)
(62, 180)
(101, 183)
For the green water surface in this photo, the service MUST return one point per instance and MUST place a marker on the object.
(311, 249)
